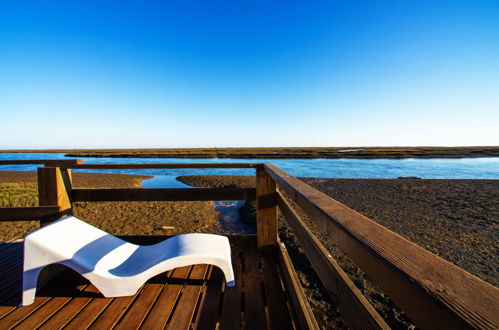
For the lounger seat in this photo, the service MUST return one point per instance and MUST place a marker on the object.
(115, 267)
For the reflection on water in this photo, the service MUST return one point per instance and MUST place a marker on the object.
(229, 217)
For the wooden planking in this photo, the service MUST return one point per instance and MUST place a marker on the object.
(183, 302)
(184, 311)
(141, 306)
(165, 303)
(354, 307)
(432, 291)
(298, 300)
(71, 309)
(207, 316)
(46, 162)
(90, 312)
(169, 194)
(253, 293)
(172, 166)
(266, 208)
(279, 314)
(44, 296)
(113, 312)
(29, 213)
(230, 317)
(51, 308)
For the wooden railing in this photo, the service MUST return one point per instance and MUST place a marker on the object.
(432, 291)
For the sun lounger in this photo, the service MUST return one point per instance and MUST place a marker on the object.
(115, 267)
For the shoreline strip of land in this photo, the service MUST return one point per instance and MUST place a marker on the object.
(280, 153)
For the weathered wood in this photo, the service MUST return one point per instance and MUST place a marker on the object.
(266, 208)
(51, 308)
(90, 312)
(142, 166)
(141, 306)
(210, 302)
(187, 303)
(29, 213)
(253, 293)
(165, 303)
(19, 314)
(230, 317)
(70, 310)
(432, 291)
(46, 162)
(279, 314)
(52, 190)
(167, 194)
(108, 318)
(298, 300)
(354, 307)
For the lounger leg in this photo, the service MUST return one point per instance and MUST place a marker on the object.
(226, 268)
(30, 279)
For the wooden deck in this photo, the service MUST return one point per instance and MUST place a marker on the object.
(188, 297)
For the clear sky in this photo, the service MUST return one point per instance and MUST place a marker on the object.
(90, 74)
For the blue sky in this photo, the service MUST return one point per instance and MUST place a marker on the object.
(93, 74)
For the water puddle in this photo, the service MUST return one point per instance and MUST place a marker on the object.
(228, 211)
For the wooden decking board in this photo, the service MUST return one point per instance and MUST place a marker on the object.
(230, 317)
(141, 306)
(13, 285)
(279, 314)
(112, 313)
(52, 307)
(207, 317)
(11, 265)
(7, 253)
(186, 305)
(68, 312)
(159, 315)
(90, 311)
(10, 271)
(187, 297)
(19, 314)
(254, 301)
(9, 245)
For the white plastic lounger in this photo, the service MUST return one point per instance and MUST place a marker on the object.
(117, 268)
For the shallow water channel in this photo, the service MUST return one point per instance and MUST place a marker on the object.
(228, 210)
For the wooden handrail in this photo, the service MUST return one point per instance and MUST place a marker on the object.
(153, 166)
(29, 213)
(432, 291)
(356, 310)
(167, 194)
(46, 162)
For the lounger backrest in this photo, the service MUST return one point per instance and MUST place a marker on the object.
(69, 236)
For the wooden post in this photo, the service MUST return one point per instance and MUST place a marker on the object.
(53, 190)
(266, 208)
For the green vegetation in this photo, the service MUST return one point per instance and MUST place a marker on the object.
(18, 194)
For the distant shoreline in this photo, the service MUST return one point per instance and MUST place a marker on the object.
(280, 153)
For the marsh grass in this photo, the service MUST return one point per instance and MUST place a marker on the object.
(18, 194)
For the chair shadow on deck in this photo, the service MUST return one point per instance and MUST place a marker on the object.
(66, 281)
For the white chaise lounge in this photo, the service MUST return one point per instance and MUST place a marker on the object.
(117, 268)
